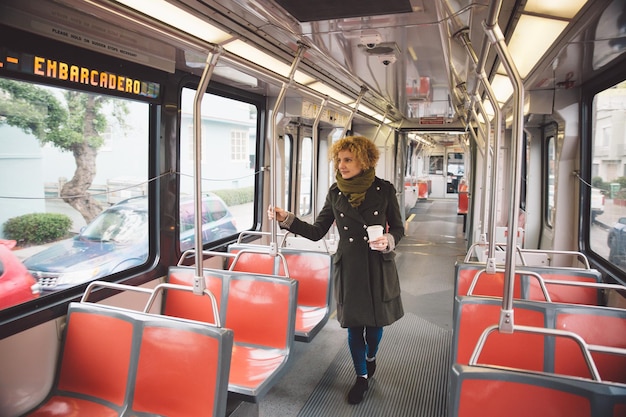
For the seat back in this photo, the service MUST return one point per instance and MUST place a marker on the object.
(93, 363)
(597, 326)
(189, 305)
(495, 392)
(261, 310)
(118, 362)
(527, 286)
(182, 369)
(311, 269)
(516, 350)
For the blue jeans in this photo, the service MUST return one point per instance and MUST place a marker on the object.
(363, 341)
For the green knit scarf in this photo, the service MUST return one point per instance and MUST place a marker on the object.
(355, 187)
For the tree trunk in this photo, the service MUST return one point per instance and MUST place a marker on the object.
(74, 192)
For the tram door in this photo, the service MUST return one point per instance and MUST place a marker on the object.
(446, 172)
(455, 172)
(299, 172)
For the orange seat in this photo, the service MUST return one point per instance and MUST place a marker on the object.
(188, 305)
(494, 392)
(260, 310)
(527, 286)
(312, 270)
(463, 202)
(532, 351)
(94, 366)
(182, 369)
(181, 366)
(591, 324)
(516, 350)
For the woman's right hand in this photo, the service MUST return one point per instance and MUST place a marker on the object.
(276, 213)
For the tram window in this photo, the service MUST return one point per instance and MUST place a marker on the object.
(306, 171)
(607, 191)
(287, 158)
(435, 165)
(550, 178)
(73, 184)
(228, 177)
(524, 173)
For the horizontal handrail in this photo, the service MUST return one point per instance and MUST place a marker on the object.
(283, 242)
(159, 288)
(151, 292)
(548, 332)
(541, 281)
(262, 250)
(259, 233)
(599, 285)
(185, 254)
(581, 256)
(121, 287)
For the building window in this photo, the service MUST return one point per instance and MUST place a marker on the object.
(239, 145)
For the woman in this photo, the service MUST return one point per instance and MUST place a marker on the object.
(366, 285)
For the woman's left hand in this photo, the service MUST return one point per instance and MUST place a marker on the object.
(379, 244)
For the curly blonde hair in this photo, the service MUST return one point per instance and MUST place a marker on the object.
(363, 149)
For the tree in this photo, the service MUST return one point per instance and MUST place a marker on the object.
(74, 126)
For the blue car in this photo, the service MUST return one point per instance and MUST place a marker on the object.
(117, 239)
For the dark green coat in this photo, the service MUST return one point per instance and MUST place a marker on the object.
(366, 284)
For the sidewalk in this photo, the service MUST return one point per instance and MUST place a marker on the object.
(612, 214)
(23, 253)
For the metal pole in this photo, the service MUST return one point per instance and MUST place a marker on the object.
(274, 144)
(211, 61)
(497, 38)
(316, 147)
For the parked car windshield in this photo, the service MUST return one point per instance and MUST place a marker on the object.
(123, 226)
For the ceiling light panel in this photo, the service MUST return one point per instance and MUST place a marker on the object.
(171, 15)
(566, 9)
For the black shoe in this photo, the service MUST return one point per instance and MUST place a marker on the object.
(371, 368)
(356, 393)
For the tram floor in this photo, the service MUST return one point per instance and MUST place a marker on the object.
(414, 357)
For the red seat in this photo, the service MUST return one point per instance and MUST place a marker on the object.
(495, 392)
(527, 286)
(313, 272)
(181, 366)
(592, 325)
(260, 310)
(94, 366)
(517, 350)
(463, 202)
(181, 370)
(188, 305)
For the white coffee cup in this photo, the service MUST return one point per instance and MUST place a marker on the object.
(374, 232)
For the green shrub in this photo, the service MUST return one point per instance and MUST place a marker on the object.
(37, 228)
(236, 196)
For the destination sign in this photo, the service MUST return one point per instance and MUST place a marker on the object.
(77, 74)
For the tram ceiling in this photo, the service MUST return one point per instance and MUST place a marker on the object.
(411, 55)
(409, 58)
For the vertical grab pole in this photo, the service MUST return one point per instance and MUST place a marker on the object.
(491, 156)
(211, 61)
(497, 120)
(316, 147)
(497, 38)
(492, 19)
(273, 150)
(488, 155)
